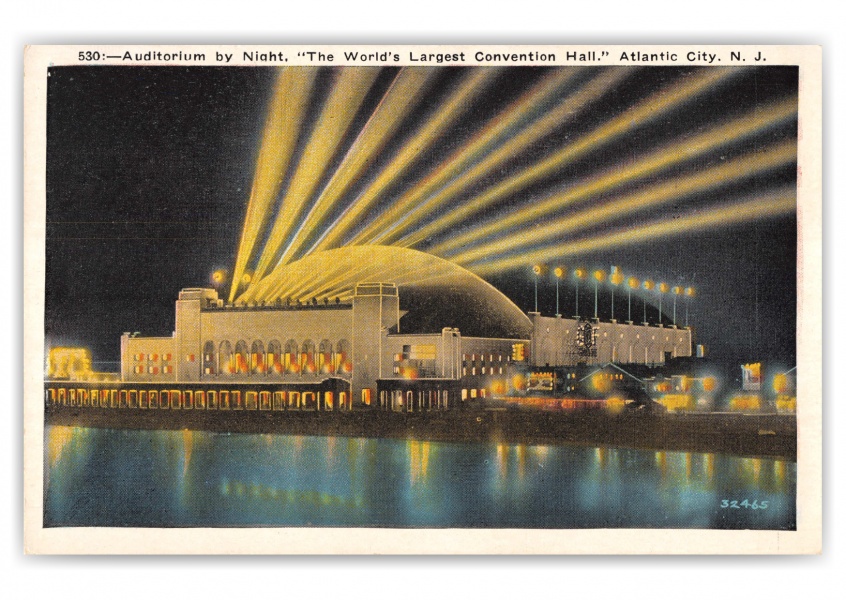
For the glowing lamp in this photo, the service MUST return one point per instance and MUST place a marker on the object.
(677, 290)
(580, 273)
(648, 284)
(663, 288)
(559, 272)
(537, 269)
(634, 283)
(599, 275)
(690, 292)
(218, 277)
(616, 278)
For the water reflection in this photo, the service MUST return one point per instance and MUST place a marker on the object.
(184, 478)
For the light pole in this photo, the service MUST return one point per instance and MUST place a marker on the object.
(648, 285)
(677, 290)
(559, 273)
(689, 293)
(615, 279)
(537, 269)
(633, 285)
(579, 274)
(598, 277)
(663, 288)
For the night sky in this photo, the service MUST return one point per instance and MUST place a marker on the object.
(149, 171)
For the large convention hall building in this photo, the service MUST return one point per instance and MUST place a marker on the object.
(404, 331)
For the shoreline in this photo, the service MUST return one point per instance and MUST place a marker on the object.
(760, 436)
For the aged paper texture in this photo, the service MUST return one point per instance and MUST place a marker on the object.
(422, 300)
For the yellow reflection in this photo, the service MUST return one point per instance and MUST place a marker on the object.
(187, 448)
(418, 460)
(661, 460)
(58, 438)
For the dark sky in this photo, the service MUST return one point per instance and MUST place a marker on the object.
(149, 170)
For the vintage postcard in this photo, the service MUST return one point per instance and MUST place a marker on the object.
(405, 299)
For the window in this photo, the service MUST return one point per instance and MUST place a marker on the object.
(153, 370)
(167, 369)
(189, 358)
(139, 369)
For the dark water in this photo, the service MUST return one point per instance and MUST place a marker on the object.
(101, 477)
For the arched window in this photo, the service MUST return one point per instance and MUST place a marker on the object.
(307, 363)
(291, 362)
(209, 359)
(257, 360)
(324, 358)
(343, 357)
(225, 360)
(241, 357)
(274, 357)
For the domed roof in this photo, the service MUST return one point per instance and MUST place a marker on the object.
(435, 293)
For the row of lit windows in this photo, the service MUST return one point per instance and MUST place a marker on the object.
(154, 357)
(473, 393)
(481, 357)
(166, 370)
(484, 371)
(197, 400)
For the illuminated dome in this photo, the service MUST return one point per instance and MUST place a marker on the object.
(435, 293)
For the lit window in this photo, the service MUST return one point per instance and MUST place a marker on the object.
(473, 393)
(166, 356)
(464, 371)
(154, 357)
(189, 358)
(167, 369)
(153, 370)
(474, 370)
(483, 370)
(139, 369)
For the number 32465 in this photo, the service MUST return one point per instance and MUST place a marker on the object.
(754, 505)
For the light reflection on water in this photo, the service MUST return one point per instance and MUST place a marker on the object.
(99, 477)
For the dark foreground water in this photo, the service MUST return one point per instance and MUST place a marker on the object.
(103, 477)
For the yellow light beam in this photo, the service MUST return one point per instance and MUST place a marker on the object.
(660, 159)
(281, 131)
(405, 93)
(647, 110)
(647, 198)
(348, 92)
(763, 207)
(419, 201)
(476, 82)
